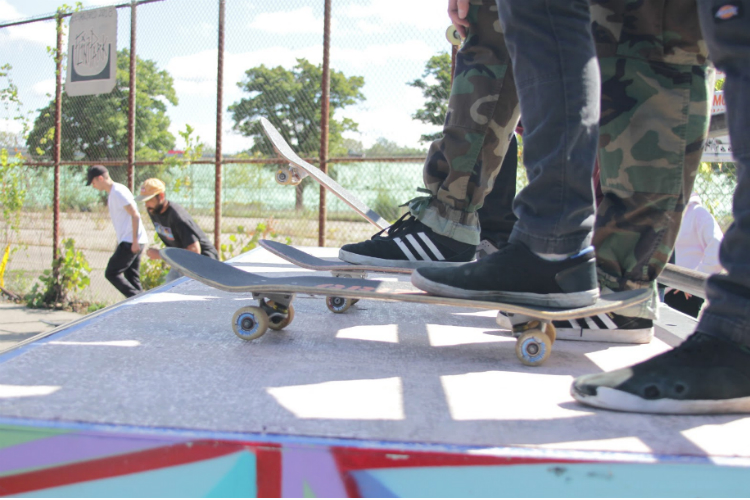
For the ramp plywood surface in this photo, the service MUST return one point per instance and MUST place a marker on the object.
(383, 371)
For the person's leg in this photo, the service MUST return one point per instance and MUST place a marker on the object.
(118, 264)
(462, 166)
(654, 117)
(548, 260)
(710, 371)
(133, 273)
(496, 217)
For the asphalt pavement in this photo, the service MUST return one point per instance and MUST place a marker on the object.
(18, 322)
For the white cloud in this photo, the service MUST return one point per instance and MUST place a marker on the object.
(43, 33)
(298, 22)
(380, 55)
(8, 12)
(44, 87)
(380, 16)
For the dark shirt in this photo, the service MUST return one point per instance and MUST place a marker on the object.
(176, 228)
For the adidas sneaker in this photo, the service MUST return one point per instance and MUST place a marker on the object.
(408, 243)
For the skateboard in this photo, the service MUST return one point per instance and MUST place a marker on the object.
(534, 338)
(298, 169)
(338, 269)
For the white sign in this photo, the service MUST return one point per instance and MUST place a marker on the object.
(92, 52)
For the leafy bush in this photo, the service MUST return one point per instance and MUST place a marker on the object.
(69, 273)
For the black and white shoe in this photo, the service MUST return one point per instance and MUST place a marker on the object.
(704, 374)
(609, 327)
(408, 243)
(515, 274)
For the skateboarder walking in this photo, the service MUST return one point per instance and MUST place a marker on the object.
(123, 268)
(175, 227)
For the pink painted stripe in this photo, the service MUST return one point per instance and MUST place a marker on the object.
(68, 448)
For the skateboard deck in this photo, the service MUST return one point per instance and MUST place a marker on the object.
(534, 338)
(292, 175)
(338, 268)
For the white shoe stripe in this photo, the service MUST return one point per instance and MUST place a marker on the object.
(416, 246)
(608, 321)
(431, 246)
(404, 249)
(590, 324)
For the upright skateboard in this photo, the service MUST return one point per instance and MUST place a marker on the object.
(298, 169)
(275, 295)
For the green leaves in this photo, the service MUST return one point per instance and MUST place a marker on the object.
(69, 273)
(436, 89)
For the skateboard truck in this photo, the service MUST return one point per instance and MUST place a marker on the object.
(274, 311)
(290, 175)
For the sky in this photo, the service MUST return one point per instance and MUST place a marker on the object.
(386, 42)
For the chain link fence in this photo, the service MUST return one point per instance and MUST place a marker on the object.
(272, 66)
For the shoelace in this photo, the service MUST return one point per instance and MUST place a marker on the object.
(400, 226)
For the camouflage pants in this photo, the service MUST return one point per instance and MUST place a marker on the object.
(483, 111)
(654, 118)
(655, 102)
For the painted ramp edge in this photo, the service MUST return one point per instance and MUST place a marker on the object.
(78, 462)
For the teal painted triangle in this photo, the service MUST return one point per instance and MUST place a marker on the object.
(307, 491)
(239, 479)
(228, 476)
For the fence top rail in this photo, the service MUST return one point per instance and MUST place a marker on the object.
(342, 159)
(54, 16)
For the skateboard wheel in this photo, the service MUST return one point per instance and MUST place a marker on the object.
(250, 322)
(338, 305)
(284, 176)
(533, 347)
(279, 321)
(451, 34)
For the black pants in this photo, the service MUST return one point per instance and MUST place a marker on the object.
(123, 270)
(496, 217)
(677, 300)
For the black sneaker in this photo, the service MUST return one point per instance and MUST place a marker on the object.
(408, 243)
(485, 248)
(515, 274)
(704, 374)
(608, 327)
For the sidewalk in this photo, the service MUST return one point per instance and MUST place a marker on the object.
(18, 322)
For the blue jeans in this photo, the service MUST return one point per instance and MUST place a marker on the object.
(558, 82)
(728, 311)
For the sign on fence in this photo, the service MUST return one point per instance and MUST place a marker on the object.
(92, 52)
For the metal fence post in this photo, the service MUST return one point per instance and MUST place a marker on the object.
(58, 138)
(131, 97)
(324, 98)
(219, 119)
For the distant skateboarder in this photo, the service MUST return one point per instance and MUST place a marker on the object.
(173, 224)
(123, 268)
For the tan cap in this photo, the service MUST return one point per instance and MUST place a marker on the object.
(150, 188)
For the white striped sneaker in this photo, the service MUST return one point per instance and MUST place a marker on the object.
(408, 243)
(608, 327)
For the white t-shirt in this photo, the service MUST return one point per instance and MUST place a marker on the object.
(119, 198)
(699, 239)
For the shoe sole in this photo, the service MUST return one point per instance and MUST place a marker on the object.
(556, 300)
(635, 336)
(612, 399)
(365, 260)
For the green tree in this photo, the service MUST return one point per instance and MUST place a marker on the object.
(96, 126)
(384, 147)
(436, 89)
(291, 100)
